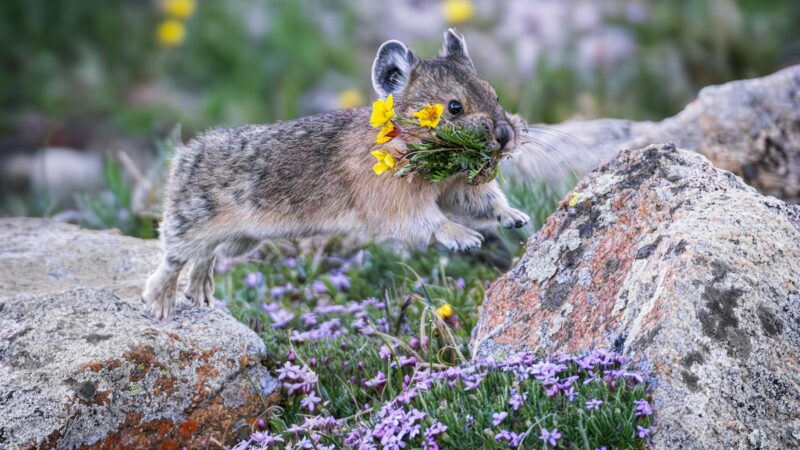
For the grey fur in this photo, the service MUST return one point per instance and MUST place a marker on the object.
(230, 189)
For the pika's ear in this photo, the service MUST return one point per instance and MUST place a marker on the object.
(392, 68)
(455, 47)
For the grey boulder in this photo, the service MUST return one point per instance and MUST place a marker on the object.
(690, 273)
(82, 363)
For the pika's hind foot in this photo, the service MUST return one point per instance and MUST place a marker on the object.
(160, 289)
(201, 284)
(160, 295)
(457, 237)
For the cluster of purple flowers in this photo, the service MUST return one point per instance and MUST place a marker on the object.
(398, 424)
(395, 429)
(300, 381)
(331, 328)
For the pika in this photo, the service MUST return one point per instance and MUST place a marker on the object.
(231, 189)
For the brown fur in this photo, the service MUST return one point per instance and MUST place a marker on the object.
(230, 189)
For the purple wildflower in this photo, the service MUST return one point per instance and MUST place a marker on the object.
(385, 352)
(339, 280)
(328, 329)
(278, 292)
(594, 404)
(319, 287)
(310, 402)
(309, 319)
(254, 279)
(570, 393)
(461, 284)
(517, 400)
(436, 429)
(498, 417)
(642, 431)
(265, 439)
(513, 439)
(281, 318)
(643, 408)
(378, 381)
(290, 262)
(550, 437)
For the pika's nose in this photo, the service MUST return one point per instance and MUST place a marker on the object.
(503, 133)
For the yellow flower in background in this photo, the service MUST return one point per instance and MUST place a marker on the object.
(170, 33)
(385, 162)
(388, 131)
(382, 111)
(350, 98)
(444, 311)
(429, 116)
(458, 11)
(179, 9)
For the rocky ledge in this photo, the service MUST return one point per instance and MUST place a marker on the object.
(82, 364)
(689, 272)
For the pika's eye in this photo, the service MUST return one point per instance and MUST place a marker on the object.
(455, 107)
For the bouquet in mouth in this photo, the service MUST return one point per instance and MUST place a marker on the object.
(434, 150)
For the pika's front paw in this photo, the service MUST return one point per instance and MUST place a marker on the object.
(512, 218)
(457, 237)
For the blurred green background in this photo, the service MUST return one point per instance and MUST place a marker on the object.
(84, 81)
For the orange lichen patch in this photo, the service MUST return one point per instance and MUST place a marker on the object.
(102, 397)
(169, 444)
(209, 420)
(205, 355)
(188, 427)
(174, 336)
(144, 359)
(206, 371)
(100, 365)
(165, 386)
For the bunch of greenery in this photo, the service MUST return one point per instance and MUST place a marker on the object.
(452, 150)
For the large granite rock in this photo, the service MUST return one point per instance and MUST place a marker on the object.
(749, 127)
(82, 363)
(687, 270)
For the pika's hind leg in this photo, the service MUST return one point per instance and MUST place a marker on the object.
(200, 290)
(238, 246)
(161, 285)
(201, 278)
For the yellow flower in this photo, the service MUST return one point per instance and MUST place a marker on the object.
(429, 116)
(444, 311)
(457, 11)
(382, 111)
(350, 98)
(179, 9)
(388, 131)
(170, 33)
(385, 162)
